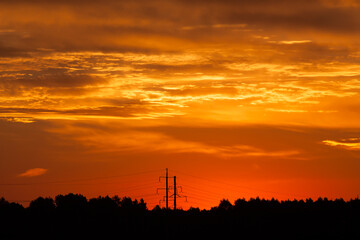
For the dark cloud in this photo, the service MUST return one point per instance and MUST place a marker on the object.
(124, 108)
(13, 52)
(50, 78)
(137, 26)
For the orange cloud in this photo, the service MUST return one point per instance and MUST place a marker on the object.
(33, 172)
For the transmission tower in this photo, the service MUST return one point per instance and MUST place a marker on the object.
(167, 188)
(176, 193)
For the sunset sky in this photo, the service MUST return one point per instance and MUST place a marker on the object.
(237, 98)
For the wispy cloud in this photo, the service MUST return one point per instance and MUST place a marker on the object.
(33, 172)
(290, 42)
(152, 141)
(350, 144)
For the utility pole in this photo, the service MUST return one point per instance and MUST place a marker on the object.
(174, 192)
(167, 190)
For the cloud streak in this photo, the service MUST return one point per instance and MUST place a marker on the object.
(350, 144)
(34, 172)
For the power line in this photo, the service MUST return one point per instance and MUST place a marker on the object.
(202, 190)
(199, 193)
(79, 180)
(239, 186)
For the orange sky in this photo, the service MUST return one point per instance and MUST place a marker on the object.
(237, 98)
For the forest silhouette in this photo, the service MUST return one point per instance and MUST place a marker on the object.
(73, 216)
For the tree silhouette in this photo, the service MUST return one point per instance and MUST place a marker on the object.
(42, 205)
(225, 205)
(73, 216)
(71, 202)
(103, 204)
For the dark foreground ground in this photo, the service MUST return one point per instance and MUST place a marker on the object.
(74, 217)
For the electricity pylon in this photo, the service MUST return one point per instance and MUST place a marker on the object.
(167, 188)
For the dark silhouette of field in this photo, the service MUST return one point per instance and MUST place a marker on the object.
(73, 216)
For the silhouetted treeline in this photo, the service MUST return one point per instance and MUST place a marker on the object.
(73, 216)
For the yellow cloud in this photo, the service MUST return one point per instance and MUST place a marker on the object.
(292, 42)
(347, 145)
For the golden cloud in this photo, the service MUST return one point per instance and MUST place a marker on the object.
(350, 144)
